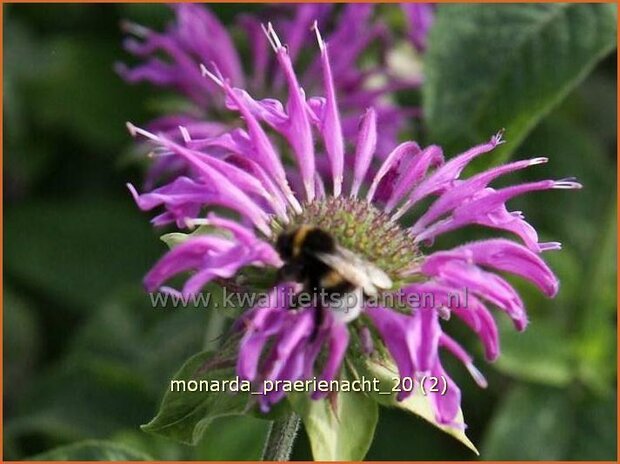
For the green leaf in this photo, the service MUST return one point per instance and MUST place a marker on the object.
(184, 415)
(78, 249)
(417, 403)
(99, 105)
(573, 151)
(506, 66)
(92, 450)
(340, 427)
(21, 342)
(101, 399)
(173, 239)
(555, 424)
(237, 437)
(531, 424)
(535, 355)
(596, 347)
(595, 431)
(232, 438)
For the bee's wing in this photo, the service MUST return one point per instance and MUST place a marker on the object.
(356, 270)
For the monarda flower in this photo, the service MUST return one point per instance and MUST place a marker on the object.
(269, 183)
(361, 75)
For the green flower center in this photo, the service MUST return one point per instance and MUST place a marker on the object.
(361, 228)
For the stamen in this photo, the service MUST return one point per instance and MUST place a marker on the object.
(497, 138)
(135, 130)
(170, 291)
(185, 134)
(549, 246)
(541, 160)
(273, 38)
(135, 29)
(567, 184)
(319, 39)
(194, 222)
(217, 77)
(159, 152)
(477, 375)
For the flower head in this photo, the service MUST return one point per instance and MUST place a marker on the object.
(269, 182)
(196, 36)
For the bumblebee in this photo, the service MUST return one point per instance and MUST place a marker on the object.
(314, 258)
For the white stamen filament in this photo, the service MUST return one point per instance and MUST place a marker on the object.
(191, 223)
(185, 134)
(319, 39)
(549, 246)
(218, 79)
(135, 130)
(567, 184)
(160, 152)
(135, 29)
(540, 160)
(273, 38)
(477, 375)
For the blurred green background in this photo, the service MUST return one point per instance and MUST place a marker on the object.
(87, 358)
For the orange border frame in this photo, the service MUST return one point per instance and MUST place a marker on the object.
(2, 2)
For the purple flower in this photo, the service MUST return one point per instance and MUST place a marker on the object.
(171, 59)
(266, 175)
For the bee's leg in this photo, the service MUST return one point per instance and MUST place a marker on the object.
(318, 321)
(289, 272)
(294, 302)
(313, 285)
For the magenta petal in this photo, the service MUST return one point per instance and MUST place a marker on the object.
(208, 39)
(259, 47)
(503, 255)
(330, 126)
(391, 165)
(459, 352)
(425, 330)
(298, 131)
(188, 255)
(465, 306)
(464, 276)
(260, 324)
(467, 190)
(229, 194)
(224, 265)
(183, 199)
(481, 321)
(250, 350)
(290, 342)
(339, 339)
(488, 208)
(246, 237)
(261, 144)
(365, 149)
(447, 405)
(291, 370)
(420, 18)
(394, 330)
(414, 172)
(445, 175)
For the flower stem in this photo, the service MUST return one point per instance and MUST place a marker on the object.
(281, 438)
(215, 328)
